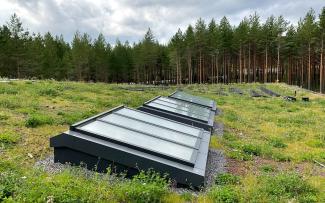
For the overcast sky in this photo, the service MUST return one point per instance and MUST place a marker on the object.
(129, 19)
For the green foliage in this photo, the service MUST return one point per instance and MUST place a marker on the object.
(226, 179)
(9, 138)
(35, 120)
(286, 185)
(187, 196)
(225, 194)
(267, 168)
(252, 149)
(51, 92)
(144, 187)
(9, 184)
(278, 143)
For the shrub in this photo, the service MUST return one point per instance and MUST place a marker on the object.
(3, 117)
(278, 143)
(267, 168)
(281, 157)
(251, 149)
(288, 185)
(225, 194)
(49, 92)
(187, 196)
(231, 116)
(10, 103)
(35, 120)
(226, 179)
(144, 187)
(8, 138)
(9, 183)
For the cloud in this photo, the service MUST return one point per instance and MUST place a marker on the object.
(130, 19)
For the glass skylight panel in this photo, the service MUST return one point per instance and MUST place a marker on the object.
(191, 98)
(181, 108)
(141, 141)
(185, 113)
(159, 121)
(155, 130)
(202, 110)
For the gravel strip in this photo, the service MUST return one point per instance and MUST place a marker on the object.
(218, 128)
(49, 166)
(215, 165)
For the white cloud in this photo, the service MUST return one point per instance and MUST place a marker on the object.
(130, 19)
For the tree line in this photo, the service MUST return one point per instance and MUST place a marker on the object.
(213, 52)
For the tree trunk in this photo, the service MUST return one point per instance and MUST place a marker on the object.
(200, 68)
(180, 70)
(321, 74)
(309, 66)
(278, 64)
(249, 63)
(189, 66)
(302, 72)
(217, 69)
(177, 71)
(254, 68)
(265, 68)
(240, 66)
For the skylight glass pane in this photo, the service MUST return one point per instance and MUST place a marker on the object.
(181, 108)
(185, 113)
(140, 140)
(202, 110)
(160, 121)
(192, 98)
(157, 131)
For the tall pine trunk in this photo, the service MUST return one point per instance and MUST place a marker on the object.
(265, 68)
(249, 63)
(240, 66)
(278, 64)
(309, 66)
(321, 74)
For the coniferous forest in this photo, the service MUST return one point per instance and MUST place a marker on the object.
(206, 52)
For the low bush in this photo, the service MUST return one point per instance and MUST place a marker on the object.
(281, 157)
(286, 185)
(9, 183)
(49, 92)
(226, 194)
(36, 120)
(226, 179)
(267, 168)
(251, 149)
(9, 138)
(144, 187)
(277, 143)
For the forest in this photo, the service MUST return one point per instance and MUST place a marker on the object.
(206, 52)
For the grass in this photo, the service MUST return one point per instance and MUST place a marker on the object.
(271, 143)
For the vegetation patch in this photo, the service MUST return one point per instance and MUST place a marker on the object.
(144, 187)
(225, 194)
(49, 91)
(35, 120)
(226, 179)
(287, 185)
(277, 143)
(9, 138)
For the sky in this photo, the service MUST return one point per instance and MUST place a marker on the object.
(130, 19)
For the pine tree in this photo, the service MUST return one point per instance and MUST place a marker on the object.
(322, 35)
